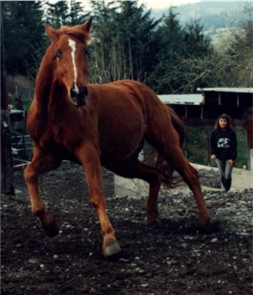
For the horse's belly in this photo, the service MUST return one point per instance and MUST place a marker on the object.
(121, 140)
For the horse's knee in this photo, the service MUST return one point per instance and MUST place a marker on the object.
(97, 198)
(30, 175)
(194, 176)
(156, 180)
(193, 171)
(151, 207)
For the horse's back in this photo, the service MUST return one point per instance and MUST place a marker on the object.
(128, 96)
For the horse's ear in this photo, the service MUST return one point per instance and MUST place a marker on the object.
(87, 25)
(51, 32)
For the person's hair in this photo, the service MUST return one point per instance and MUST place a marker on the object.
(226, 117)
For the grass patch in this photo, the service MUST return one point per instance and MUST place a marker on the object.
(197, 146)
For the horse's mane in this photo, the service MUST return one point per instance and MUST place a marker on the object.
(76, 32)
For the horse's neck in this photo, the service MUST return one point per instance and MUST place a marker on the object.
(43, 87)
(48, 94)
(57, 106)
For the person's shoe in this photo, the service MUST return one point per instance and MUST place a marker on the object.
(227, 184)
(223, 188)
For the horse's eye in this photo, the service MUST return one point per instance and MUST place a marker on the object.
(58, 53)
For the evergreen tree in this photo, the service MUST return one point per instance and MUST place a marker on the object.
(57, 14)
(23, 36)
(137, 27)
(176, 71)
(232, 64)
(102, 32)
(165, 78)
(77, 14)
(123, 35)
(240, 54)
(196, 44)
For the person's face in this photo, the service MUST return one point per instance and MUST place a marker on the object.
(223, 123)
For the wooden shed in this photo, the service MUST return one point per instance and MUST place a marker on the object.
(185, 105)
(236, 102)
(204, 107)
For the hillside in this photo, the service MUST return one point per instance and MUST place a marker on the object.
(217, 18)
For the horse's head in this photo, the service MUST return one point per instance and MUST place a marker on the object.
(69, 48)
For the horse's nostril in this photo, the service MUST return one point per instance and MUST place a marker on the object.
(78, 95)
(83, 91)
(74, 91)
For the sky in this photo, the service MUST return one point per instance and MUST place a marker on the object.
(158, 4)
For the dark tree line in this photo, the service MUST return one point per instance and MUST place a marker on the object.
(129, 44)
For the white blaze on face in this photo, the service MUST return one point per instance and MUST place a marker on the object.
(72, 45)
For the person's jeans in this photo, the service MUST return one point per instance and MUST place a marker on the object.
(225, 170)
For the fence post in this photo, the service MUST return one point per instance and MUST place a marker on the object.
(6, 156)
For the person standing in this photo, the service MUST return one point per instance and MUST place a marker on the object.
(223, 144)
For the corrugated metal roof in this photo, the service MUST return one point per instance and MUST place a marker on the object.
(227, 89)
(183, 99)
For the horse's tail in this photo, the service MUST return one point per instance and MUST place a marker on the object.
(178, 125)
(160, 162)
(165, 167)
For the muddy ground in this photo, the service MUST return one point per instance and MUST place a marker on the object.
(174, 257)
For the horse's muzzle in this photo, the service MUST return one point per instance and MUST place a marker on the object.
(78, 96)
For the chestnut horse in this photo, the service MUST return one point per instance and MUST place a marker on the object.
(98, 124)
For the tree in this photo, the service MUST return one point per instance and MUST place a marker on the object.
(232, 64)
(196, 44)
(163, 79)
(240, 52)
(57, 13)
(23, 36)
(76, 13)
(180, 48)
(6, 155)
(123, 40)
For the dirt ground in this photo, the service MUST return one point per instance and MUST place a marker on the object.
(173, 257)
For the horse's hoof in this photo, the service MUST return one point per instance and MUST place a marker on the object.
(112, 249)
(204, 221)
(153, 220)
(51, 229)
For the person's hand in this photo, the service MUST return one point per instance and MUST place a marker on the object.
(213, 157)
(232, 163)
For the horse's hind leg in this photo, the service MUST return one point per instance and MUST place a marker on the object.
(190, 176)
(41, 163)
(132, 168)
(168, 146)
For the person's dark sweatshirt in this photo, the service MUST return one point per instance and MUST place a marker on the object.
(224, 144)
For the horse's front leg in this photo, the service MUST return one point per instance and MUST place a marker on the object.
(41, 163)
(89, 157)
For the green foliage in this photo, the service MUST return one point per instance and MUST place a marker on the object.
(76, 13)
(129, 44)
(63, 13)
(57, 13)
(197, 146)
(174, 72)
(124, 41)
(23, 35)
